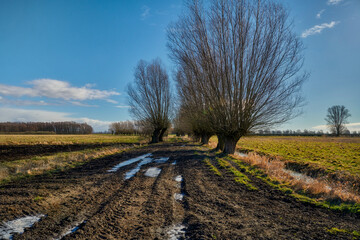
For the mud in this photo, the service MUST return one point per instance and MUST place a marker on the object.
(108, 206)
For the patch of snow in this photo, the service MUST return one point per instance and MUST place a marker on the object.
(179, 178)
(179, 196)
(153, 172)
(174, 163)
(133, 171)
(128, 162)
(7, 229)
(176, 232)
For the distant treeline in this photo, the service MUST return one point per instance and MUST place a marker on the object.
(299, 132)
(46, 127)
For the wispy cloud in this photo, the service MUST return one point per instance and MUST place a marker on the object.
(318, 15)
(317, 29)
(23, 102)
(123, 106)
(145, 12)
(334, 2)
(56, 89)
(350, 126)
(25, 115)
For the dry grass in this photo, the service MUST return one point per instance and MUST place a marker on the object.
(38, 165)
(66, 139)
(316, 187)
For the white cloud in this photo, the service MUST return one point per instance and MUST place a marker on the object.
(318, 15)
(111, 101)
(23, 102)
(145, 12)
(317, 29)
(123, 106)
(56, 89)
(82, 104)
(25, 115)
(350, 126)
(334, 2)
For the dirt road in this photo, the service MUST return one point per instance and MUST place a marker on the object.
(103, 200)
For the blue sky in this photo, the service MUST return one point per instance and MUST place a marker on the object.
(72, 60)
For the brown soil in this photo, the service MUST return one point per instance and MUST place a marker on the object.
(144, 207)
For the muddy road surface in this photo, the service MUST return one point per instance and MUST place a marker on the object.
(164, 191)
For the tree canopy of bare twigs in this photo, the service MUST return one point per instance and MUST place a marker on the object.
(150, 97)
(336, 119)
(244, 63)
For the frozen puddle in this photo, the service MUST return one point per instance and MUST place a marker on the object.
(178, 196)
(128, 162)
(153, 172)
(133, 171)
(7, 229)
(176, 232)
(178, 178)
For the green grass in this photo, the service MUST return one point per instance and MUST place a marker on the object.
(212, 167)
(328, 153)
(239, 176)
(335, 231)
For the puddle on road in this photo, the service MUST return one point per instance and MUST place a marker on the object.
(179, 196)
(133, 171)
(7, 229)
(153, 172)
(178, 178)
(128, 162)
(176, 232)
(161, 160)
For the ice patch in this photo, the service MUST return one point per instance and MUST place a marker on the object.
(153, 172)
(299, 176)
(179, 178)
(128, 162)
(176, 232)
(241, 154)
(7, 229)
(162, 160)
(174, 162)
(178, 196)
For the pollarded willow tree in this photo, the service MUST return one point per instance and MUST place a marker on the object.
(150, 97)
(193, 107)
(245, 61)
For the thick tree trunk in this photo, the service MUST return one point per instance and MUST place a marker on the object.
(162, 132)
(205, 138)
(155, 136)
(230, 144)
(221, 143)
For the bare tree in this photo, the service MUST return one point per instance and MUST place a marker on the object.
(244, 60)
(336, 119)
(150, 97)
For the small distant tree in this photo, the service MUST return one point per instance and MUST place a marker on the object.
(150, 97)
(336, 119)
